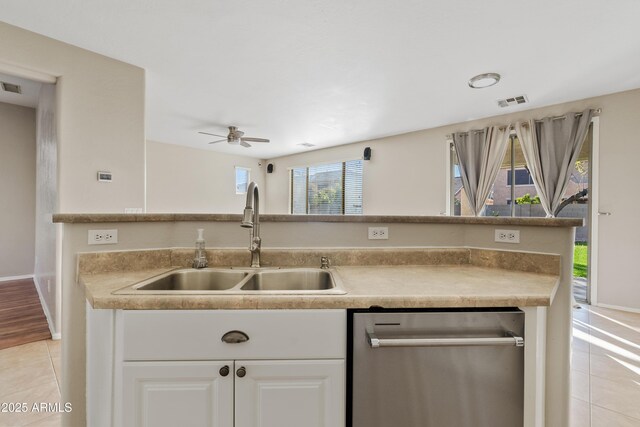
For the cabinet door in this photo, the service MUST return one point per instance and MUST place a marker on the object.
(185, 394)
(290, 393)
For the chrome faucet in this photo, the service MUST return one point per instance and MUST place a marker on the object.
(251, 219)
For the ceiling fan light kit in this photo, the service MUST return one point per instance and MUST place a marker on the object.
(235, 137)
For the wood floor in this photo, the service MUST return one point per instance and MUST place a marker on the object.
(21, 317)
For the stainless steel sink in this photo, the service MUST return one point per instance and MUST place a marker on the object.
(227, 281)
(302, 279)
(193, 280)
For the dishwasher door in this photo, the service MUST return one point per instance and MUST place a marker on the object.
(438, 369)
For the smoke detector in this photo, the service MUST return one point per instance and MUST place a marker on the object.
(10, 87)
(515, 100)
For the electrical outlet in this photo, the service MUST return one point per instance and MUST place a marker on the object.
(507, 236)
(378, 233)
(103, 237)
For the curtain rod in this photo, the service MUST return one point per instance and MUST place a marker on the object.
(596, 112)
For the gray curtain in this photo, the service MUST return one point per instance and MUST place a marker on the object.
(551, 147)
(480, 154)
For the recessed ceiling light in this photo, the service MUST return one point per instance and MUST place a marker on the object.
(306, 144)
(484, 80)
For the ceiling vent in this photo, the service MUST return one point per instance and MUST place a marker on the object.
(516, 100)
(9, 87)
(306, 144)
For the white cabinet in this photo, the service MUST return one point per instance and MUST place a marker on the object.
(169, 394)
(291, 393)
(269, 393)
(162, 368)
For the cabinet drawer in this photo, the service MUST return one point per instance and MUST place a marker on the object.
(197, 334)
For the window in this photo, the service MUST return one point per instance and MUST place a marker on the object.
(243, 177)
(328, 189)
(514, 193)
(523, 177)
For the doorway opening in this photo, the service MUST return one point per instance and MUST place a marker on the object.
(30, 301)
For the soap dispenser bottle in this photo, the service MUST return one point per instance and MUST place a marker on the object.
(200, 259)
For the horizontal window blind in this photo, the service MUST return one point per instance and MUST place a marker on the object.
(353, 187)
(324, 191)
(299, 191)
(328, 189)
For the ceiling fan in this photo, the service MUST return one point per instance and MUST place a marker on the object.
(235, 137)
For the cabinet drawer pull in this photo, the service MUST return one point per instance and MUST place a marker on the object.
(224, 371)
(235, 337)
(241, 372)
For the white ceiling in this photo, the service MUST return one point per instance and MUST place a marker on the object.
(28, 97)
(330, 72)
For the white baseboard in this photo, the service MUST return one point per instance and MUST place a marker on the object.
(618, 307)
(54, 334)
(12, 278)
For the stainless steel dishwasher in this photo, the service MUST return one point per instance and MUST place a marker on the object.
(434, 368)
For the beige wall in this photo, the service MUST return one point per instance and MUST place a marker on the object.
(419, 158)
(100, 123)
(17, 190)
(398, 162)
(183, 179)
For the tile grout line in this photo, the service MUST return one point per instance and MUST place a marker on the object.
(55, 374)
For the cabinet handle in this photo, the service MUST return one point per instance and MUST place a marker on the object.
(224, 371)
(241, 372)
(235, 337)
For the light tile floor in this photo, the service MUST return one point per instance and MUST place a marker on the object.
(605, 368)
(30, 373)
(605, 373)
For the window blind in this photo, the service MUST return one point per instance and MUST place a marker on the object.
(299, 191)
(328, 189)
(353, 187)
(324, 191)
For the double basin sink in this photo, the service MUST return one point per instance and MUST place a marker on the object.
(239, 281)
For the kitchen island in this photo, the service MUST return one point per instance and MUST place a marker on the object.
(442, 262)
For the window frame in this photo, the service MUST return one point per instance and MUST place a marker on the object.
(235, 178)
(343, 181)
(451, 162)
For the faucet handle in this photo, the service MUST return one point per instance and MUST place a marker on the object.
(324, 262)
(256, 243)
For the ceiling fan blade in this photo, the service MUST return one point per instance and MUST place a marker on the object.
(255, 139)
(220, 140)
(244, 144)
(212, 134)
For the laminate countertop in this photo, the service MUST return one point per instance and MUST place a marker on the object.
(388, 286)
(96, 218)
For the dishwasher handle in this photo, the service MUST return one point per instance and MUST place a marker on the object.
(510, 339)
